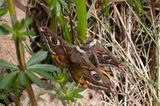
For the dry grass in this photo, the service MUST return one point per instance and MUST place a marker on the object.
(135, 43)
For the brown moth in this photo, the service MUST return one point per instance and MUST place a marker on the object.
(104, 56)
(91, 76)
(78, 60)
(84, 62)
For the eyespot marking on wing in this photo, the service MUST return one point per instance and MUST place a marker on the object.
(96, 76)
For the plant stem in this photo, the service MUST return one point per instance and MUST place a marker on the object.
(17, 100)
(68, 103)
(12, 11)
(31, 95)
(20, 52)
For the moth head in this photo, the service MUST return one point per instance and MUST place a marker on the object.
(49, 35)
(44, 30)
(112, 60)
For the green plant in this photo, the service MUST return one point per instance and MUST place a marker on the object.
(56, 9)
(66, 91)
(23, 74)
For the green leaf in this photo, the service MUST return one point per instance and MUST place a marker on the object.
(73, 88)
(15, 88)
(26, 22)
(61, 76)
(22, 24)
(2, 1)
(2, 104)
(8, 80)
(17, 27)
(43, 67)
(7, 65)
(1, 77)
(67, 34)
(81, 19)
(29, 32)
(32, 77)
(22, 78)
(49, 2)
(72, 93)
(3, 94)
(43, 73)
(5, 29)
(64, 5)
(37, 58)
(58, 9)
(3, 11)
(52, 4)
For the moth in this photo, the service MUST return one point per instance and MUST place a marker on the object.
(85, 64)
